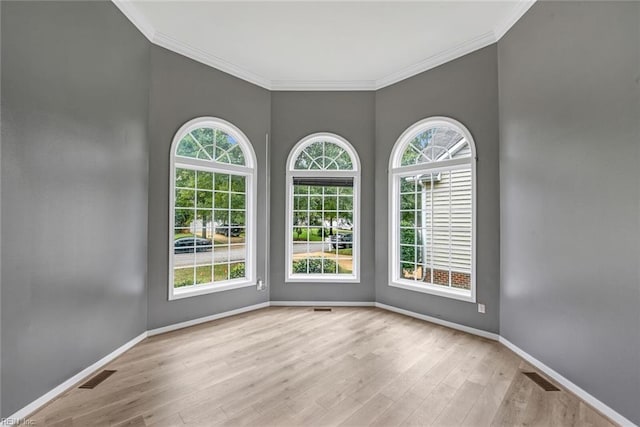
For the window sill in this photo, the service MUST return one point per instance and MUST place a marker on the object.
(196, 290)
(457, 294)
(308, 278)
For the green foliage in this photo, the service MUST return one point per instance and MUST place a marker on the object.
(221, 182)
(182, 277)
(323, 155)
(238, 183)
(221, 200)
(236, 156)
(417, 147)
(408, 184)
(316, 266)
(187, 147)
(204, 191)
(203, 274)
(321, 206)
(407, 237)
(211, 144)
(408, 201)
(300, 234)
(220, 272)
(410, 205)
(205, 137)
(237, 270)
(183, 218)
(205, 199)
(204, 180)
(185, 178)
(238, 217)
(343, 251)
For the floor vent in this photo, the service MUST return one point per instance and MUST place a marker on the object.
(93, 382)
(321, 309)
(543, 383)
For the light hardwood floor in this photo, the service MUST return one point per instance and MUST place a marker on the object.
(290, 366)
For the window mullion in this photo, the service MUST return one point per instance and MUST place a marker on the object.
(308, 227)
(321, 151)
(200, 216)
(322, 223)
(230, 225)
(415, 230)
(434, 167)
(200, 145)
(447, 206)
(432, 212)
(450, 219)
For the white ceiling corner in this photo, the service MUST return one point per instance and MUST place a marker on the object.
(438, 59)
(129, 10)
(521, 7)
(263, 65)
(207, 58)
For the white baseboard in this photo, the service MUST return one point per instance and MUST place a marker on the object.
(573, 388)
(46, 398)
(452, 325)
(199, 320)
(322, 303)
(55, 392)
(582, 394)
(567, 384)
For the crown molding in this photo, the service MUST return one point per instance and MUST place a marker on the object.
(132, 13)
(522, 6)
(206, 58)
(438, 59)
(128, 8)
(326, 85)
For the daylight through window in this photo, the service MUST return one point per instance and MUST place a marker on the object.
(212, 209)
(323, 200)
(433, 210)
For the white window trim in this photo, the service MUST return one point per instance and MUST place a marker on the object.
(249, 171)
(396, 171)
(290, 277)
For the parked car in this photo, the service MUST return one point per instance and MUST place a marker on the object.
(229, 230)
(341, 241)
(188, 244)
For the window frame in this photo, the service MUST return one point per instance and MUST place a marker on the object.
(396, 172)
(290, 277)
(249, 171)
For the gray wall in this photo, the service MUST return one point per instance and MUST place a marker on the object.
(466, 90)
(85, 190)
(74, 189)
(295, 115)
(182, 89)
(570, 201)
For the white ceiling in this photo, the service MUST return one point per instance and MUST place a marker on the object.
(323, 45)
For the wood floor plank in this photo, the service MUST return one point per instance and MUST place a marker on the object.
(291, 366)
(485, 408)
(369, 411)
(399, 410)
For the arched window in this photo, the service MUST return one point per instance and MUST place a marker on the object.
(213, 204)
(323, 201)
(432, 209)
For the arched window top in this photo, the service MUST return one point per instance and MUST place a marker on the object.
(323, 152)
(432, 210)
(213, 140)
(433, 140)
(212, 199)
